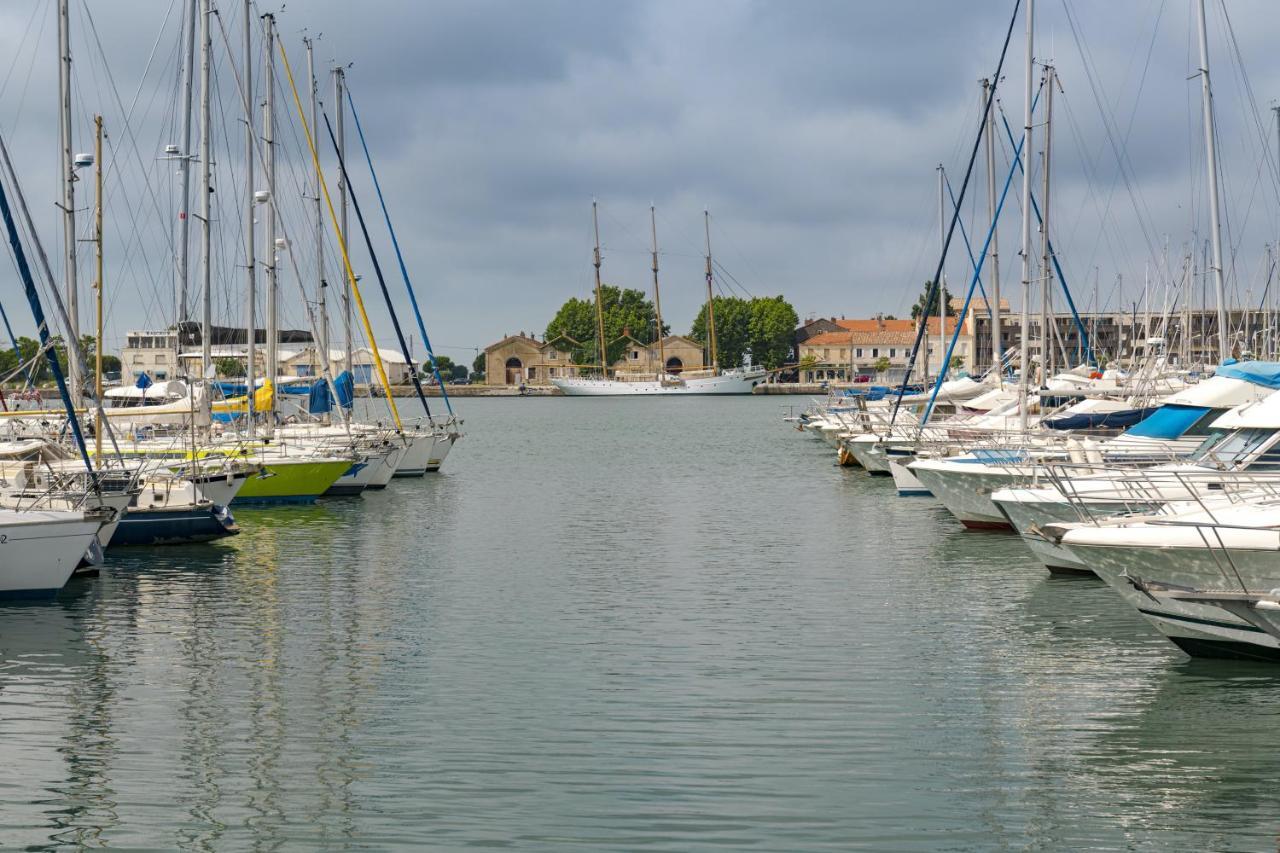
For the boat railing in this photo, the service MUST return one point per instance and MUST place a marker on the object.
(1100, 496)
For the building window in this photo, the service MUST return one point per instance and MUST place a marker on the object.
(858, 352)
(893, 352)
(826, 354)
(875, 352)
(553, 355)
(160, 358)
(635, 355)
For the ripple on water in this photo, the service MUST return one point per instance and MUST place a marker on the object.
(667, 625)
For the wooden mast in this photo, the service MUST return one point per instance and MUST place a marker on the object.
(657, 299)
(711, 304)
(595, 224)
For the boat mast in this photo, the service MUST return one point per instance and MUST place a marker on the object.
(68, 177)
(1046, 260)
(97, 286)
(183, 274)
(1211, 158)
(206, 190)
(997, 351)
(251, 261)
(1026, 223)
(339, 105)
(322, 356)
(269, 139)
(595, 224)
(711, 302)
(657, 298)
(942, 291)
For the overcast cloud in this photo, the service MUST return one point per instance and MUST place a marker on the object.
(810, 129)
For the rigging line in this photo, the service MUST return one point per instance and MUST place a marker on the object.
(1254, 113)
(1119, 149)
(964, 187)
(151, 193)
(377, 267)
(17, 54)
(325, 370)
(355, 287)
(37, 314)
(404, 270)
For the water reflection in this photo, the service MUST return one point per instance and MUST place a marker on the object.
(690, 632)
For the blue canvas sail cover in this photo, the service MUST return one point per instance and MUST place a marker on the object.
(345, 385)
(321, 400)
(1169, 421)
(1264, 373)
(143, 383)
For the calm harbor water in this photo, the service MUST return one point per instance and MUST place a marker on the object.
(620, 625)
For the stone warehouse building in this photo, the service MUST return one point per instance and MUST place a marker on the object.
(522, 359)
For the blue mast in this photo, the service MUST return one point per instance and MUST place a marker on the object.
(33, 298)
(404, 270)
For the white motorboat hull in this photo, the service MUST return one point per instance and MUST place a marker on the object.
(965, 489)
(1028, 517)
(730, 382)
(1201, 630)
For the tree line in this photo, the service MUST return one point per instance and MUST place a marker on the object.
(759, 328)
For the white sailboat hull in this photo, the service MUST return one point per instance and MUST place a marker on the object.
(40, 549)
(732, 382)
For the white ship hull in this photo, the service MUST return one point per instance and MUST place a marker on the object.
(732, 382)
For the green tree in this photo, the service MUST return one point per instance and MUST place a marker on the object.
(477, 367)
(733, 330)
(932, 308)
(625, 311)
(228, 367)
(882, 364)
(458, 372)
(444, 364)
(761, 327)
(772, 330)
(957, 362)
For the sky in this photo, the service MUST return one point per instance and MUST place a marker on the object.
(810, 129)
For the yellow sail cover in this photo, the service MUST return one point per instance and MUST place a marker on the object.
(236, 405)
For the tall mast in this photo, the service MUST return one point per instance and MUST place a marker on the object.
(321, 288)
(595, 224)
(711, 302)
(997, 350)
(183, 275)
(97, 287)
(269, 138)
(657, 298)
(1026, 221)
(250, 254)
(1046, 261)
(68, 177)
(942, 289)
(206, 190)
(1211, 158)
(340, 108)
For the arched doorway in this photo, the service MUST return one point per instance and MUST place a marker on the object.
(674, 366)
(515, 371)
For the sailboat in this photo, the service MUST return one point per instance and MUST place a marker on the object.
(734, 381)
